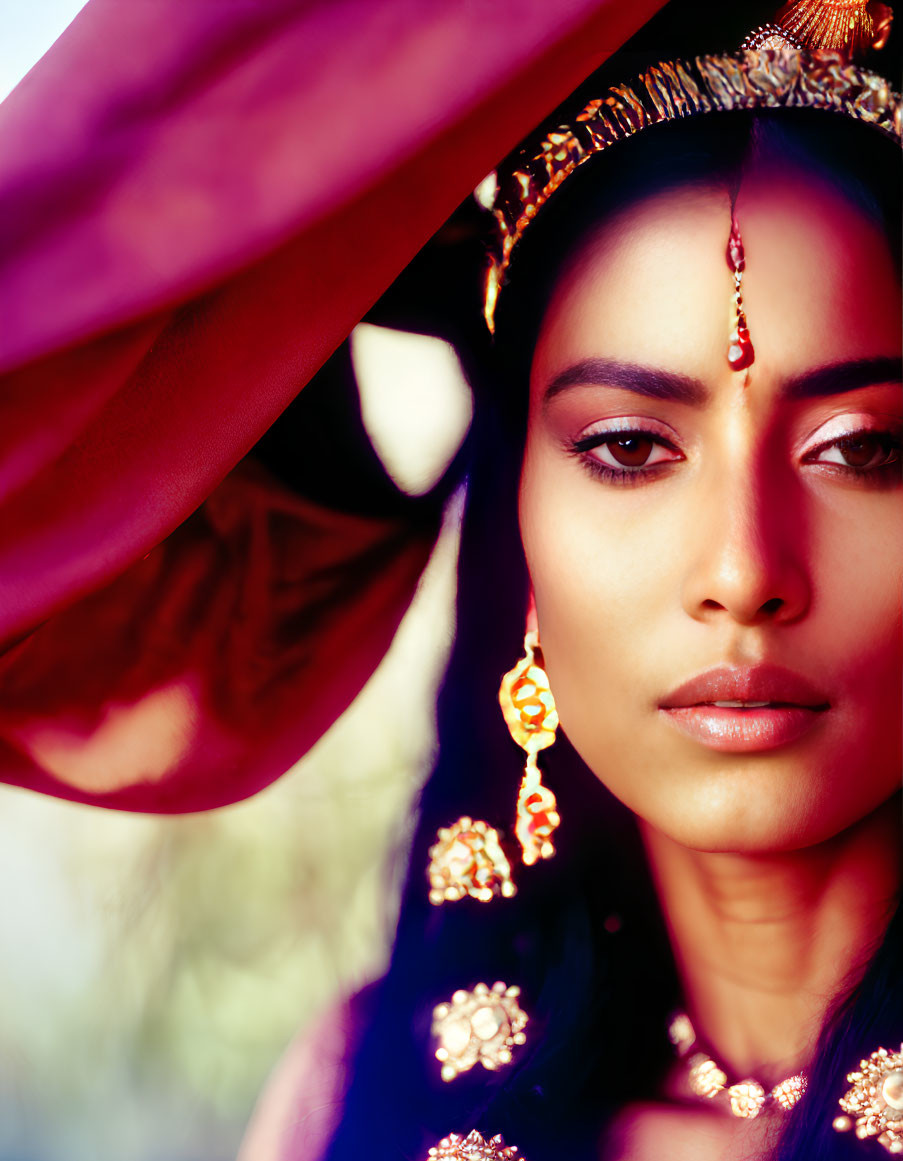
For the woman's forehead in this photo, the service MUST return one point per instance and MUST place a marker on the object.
(653, 285)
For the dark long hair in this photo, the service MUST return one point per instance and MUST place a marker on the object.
(584, 937)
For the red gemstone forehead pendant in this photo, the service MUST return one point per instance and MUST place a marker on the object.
(740, 353)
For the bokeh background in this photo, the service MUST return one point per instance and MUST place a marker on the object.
(154, 969)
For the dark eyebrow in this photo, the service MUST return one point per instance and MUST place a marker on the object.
(643, 380)
(836, 378)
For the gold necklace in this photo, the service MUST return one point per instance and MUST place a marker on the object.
(707, 1080)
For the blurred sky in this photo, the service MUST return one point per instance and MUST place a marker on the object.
(27, 30)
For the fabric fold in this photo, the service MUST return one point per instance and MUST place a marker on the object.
(198, 204)
(203, 671)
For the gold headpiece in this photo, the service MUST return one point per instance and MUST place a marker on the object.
(851, 27)
(770, 78)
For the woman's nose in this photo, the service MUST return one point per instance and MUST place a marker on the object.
(750, 560)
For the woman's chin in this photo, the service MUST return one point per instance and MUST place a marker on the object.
(768, 803)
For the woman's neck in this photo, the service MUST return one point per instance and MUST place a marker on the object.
(764, 943)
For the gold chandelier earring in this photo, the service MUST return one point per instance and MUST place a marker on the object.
(532, 719)
(468, 858)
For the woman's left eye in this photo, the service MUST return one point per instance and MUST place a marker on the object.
(863, 451)
(616, 454)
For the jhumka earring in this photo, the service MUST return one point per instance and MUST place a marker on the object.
(532, 719)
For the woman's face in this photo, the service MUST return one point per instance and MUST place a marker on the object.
(746, 531)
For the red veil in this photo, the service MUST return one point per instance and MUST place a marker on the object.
(198, 202)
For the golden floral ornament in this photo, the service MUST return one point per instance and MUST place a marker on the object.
(874, 1103)
(482, 1025)
(531, 717)
(468, 859)
(472, 1148)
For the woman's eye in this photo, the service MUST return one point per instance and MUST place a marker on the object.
(862, 452)
(625, 451)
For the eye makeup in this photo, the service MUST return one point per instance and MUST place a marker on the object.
(858, 446)
(628, 450)
(634, 450)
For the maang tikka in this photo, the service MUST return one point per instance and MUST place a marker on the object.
(740, 353)
(468, 857)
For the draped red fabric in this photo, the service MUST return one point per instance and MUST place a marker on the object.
(198, 202)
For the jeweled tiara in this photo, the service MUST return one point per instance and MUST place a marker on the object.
(758, 78)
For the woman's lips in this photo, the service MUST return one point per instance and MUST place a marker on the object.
(768, 706)
(743, 730)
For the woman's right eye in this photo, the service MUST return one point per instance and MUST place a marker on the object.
(618, 454)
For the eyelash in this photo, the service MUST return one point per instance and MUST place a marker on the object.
(583, 447)
(888, 441)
